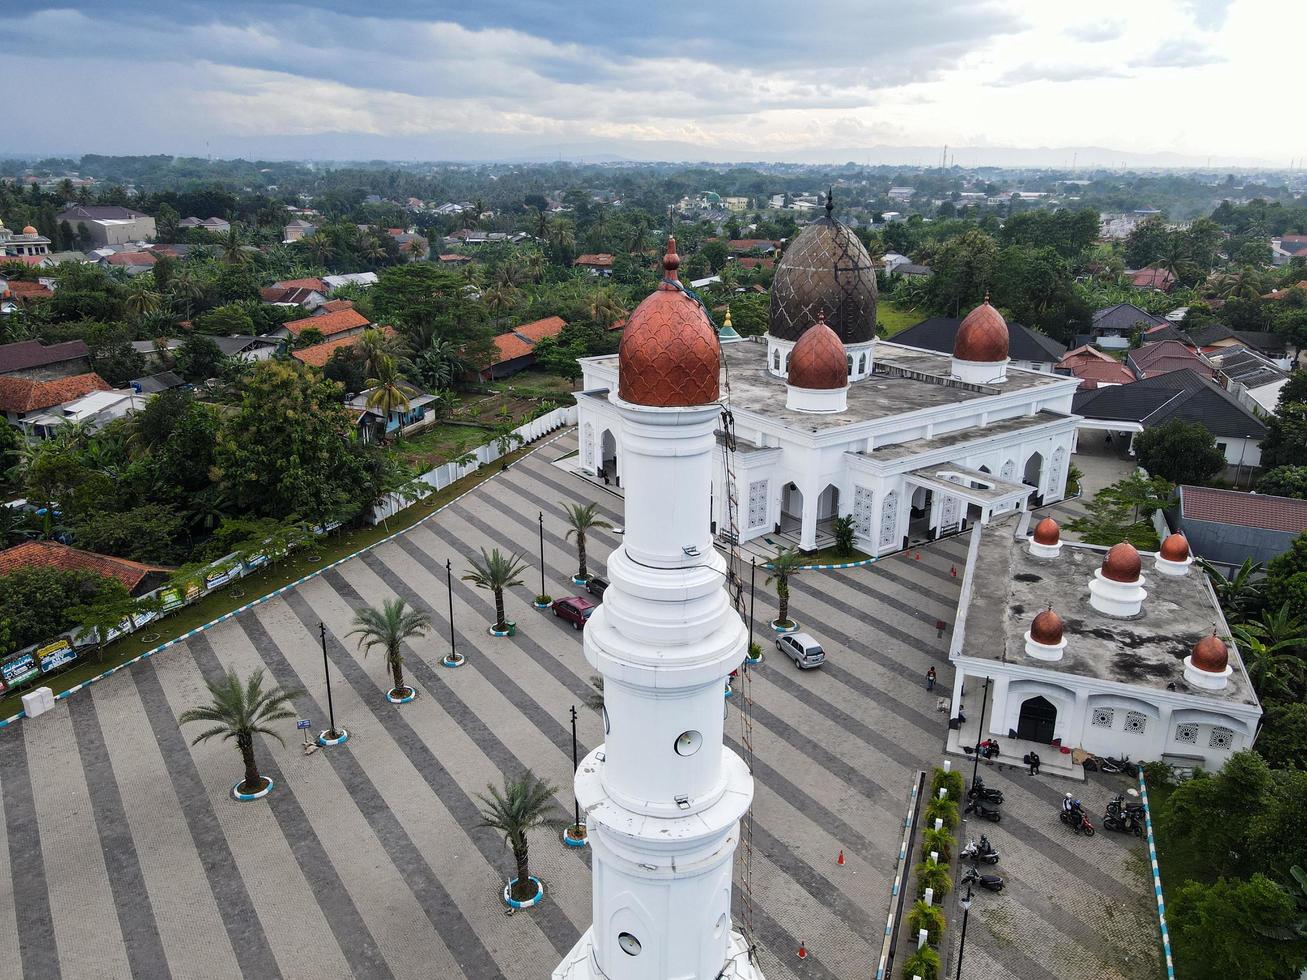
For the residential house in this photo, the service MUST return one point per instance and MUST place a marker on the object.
(1184, 395)
(738, 205)
(297, 229)
(911, 270)
(1154, 278)
(515, 350)
(308, 282)
(343, 323)
(152, 384)
(374, 425)
(454, 260)
(1026, 348)
(334, 306)
(247, 348)
(17, 293)
(1228, 526)
(108, 225)
(217, 225)
(1275, 295)
(891, 261)
(1286, 248)
(133, 262)
(137, 578)
(363, 279)
(901, 193)
(1165, 356)
(1253, 379)
(22, 397)
(751, 246)
(750, 262)
(317, 355)
(1214, 337)
(33, 360)
(1094, 368)
(309, 299)
(1113, 326)
(598, 264)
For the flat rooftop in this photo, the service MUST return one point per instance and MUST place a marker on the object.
(1009, 587)
(883, 395)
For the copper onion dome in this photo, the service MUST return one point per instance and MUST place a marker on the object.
(1175, 548)
(669, 357)
(982, 336)
(818, 359)
(1122, 563)
(1047, 628)
(1047, 532)
(29, 230)
(827, 270)
(1210, 654)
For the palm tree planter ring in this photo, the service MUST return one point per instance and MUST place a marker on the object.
(528, 903)
(342, 736)
(578, 580)
(241, 797)
(394, 697)
(542, 601)
(575, 836)
(510, 629)
(457, 660)
(791, 626)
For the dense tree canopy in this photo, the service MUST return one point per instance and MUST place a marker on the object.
(1181, 452)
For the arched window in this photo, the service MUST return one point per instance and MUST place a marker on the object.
(776, 360)
(849, 358)
(787, 363)
(862, 364)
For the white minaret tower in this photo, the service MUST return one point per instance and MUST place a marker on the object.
(663, 797)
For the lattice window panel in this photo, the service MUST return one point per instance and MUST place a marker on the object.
(1103, 717)
(588, 446)
(863, 499)
(1186, 734)
(1222, 738)
(1055, 470)
(757, 504)
(889, 519)
(1135, 722)
(1009, 470)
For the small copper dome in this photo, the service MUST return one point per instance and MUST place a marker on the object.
(1047, 532)
(1047, 628)
(1210, 654)
(669, 356)
(1175, 548)
(982, 336)
(818, 359)
(1122, 563)
(29, 230)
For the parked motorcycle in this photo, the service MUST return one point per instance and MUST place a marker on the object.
(992, 883)
(1123, 823)
(979, 791)
(1077, 820)
(1108, 764)
(981, 810)
(1119, 805)
(983, 852)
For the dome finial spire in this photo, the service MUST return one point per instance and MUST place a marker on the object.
(830, 201)
(671, 261)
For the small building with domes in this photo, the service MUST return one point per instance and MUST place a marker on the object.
(1102, 649)
(28, 242)
(829, 421)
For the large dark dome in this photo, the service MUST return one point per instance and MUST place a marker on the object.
(825, 270)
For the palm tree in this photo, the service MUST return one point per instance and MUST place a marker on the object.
(786, 562)
(387, 394)
(496, 571)
(928, 917)
(186, 288)
(232, 247)
(416, 247)
(1274, 668)
(498, 300)
(241, 711)
(319, 246)
(389, 627)
(580, 519)
(376, 347)
(524, 804)
(604, 308)
(1238, 593)
(141, 299)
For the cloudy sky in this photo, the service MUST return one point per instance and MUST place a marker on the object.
(710, 79)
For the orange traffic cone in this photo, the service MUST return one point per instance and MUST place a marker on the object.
(840, 860)
(954, 571)
(803, 951)
(917, 556)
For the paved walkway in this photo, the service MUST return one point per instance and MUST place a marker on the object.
(123, 855)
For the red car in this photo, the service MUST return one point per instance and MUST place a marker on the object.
(576, 609)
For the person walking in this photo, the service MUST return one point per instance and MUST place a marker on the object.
(1034, 763)
(930, 679)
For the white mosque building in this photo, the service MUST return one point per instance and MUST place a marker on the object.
(829, 421)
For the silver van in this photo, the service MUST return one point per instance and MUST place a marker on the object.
(802, 649)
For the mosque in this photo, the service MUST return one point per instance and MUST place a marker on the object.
(829, 421)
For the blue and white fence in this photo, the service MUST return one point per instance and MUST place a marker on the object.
(1157, 878)
(447, 473)
(900, 876)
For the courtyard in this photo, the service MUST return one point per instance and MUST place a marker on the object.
(123, 855)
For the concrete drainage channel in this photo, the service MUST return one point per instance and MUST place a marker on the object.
(902, 871)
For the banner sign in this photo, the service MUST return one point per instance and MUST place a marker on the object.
(54, 655)
(171, 599)
(20, 669)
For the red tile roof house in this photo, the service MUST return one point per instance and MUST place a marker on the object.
(134, 262)
(515, 350)
(1094, 368)
(137, 578)
(743, 246)
(310, 299)
(1228, 525)
(599, 263)
(342, 323)
(318, 355)
(1166, 356)
(1161, 280)
(311, 282)
(22, 396)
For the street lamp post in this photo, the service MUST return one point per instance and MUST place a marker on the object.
(453, 659)
(333, 735)
(542, 555)
(574, 836)
(965, 902)
(980, 728)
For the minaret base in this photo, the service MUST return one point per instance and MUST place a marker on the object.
(579, 963)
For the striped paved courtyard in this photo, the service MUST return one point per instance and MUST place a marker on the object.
(122, 854)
